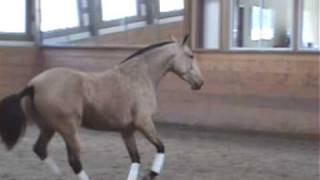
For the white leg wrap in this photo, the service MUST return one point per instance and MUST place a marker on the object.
(83, 176)
(158, 163)
(52, 165)
(134, 171)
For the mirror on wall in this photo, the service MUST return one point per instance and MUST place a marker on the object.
(109, 22)
(262, 24)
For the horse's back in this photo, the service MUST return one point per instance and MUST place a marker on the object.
(56, 75)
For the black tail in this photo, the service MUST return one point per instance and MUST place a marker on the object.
(12, 118)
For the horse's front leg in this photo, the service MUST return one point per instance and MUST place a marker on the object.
(130, 142)
(70, 135)
(149, 131)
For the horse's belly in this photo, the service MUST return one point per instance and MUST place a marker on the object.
(98, 122)
(101, 126)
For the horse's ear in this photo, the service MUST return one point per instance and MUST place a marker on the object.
(185, 39)
(173, 38)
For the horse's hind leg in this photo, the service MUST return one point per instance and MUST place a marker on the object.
(130, 142)
(71, 138)
(46, 134)
(40, 149)
(148, 129)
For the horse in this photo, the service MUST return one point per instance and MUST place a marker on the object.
(121, 99)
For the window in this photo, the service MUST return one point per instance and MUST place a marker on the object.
(262, 23)
(310, 25)
(117, 9)
(13, 16)
(260, 30)
(59, 14)
(171, 5)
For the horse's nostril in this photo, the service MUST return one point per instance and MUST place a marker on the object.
(201, 83)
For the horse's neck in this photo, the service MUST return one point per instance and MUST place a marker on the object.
(159, 64)
(155, 64)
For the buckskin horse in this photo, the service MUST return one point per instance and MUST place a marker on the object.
(121, 99)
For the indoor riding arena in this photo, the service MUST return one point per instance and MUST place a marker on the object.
(159, 90)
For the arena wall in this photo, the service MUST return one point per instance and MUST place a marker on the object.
(261, 92)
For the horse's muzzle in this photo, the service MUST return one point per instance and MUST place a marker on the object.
(197, 86)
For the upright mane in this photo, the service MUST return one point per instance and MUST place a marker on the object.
(148, 48)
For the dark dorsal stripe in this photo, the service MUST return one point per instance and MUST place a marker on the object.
(149, 48)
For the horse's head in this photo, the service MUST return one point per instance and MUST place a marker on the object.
(185, 65)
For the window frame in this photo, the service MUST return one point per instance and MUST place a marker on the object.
(27, 35)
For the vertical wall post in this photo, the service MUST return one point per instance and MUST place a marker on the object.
(150, 9)
(93, 16)
(36, 22)
(297, 19)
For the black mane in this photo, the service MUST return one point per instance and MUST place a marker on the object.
(139, 52)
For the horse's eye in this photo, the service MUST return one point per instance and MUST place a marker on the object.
(191, 56)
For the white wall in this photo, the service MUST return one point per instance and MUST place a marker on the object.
(311, 24)
(211, 24)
